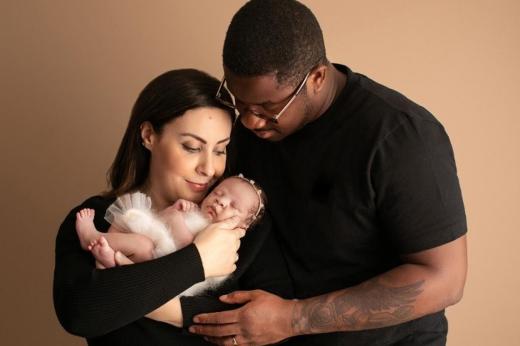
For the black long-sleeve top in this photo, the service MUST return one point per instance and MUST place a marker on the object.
(107, 306)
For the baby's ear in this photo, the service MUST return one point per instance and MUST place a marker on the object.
(247, 222)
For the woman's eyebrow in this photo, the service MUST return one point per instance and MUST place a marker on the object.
(224, 140)
(200, 139)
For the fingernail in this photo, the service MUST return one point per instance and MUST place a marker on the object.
(196, 320)
(191, 329)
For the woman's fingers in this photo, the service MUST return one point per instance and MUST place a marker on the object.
(218, 245)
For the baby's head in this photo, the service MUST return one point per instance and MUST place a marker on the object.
(235, 195)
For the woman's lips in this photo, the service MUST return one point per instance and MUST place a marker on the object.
(197, 187)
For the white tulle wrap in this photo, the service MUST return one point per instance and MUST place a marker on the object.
(133, 213)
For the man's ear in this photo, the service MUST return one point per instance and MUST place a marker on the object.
(148, 135)
(317, 78)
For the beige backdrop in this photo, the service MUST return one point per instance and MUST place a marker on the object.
(71, 71)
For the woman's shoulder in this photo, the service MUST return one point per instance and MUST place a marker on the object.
(98, 202)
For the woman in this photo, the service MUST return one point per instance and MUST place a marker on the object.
(174, 147)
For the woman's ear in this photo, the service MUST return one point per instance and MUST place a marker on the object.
(148, 135)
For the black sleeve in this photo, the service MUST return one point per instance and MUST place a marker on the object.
(417, 192)
(91, 302)
(261, 266)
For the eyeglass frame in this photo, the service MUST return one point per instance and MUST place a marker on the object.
(274, 118)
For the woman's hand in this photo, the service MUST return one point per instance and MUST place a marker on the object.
(218, 245)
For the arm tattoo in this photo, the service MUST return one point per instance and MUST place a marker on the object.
(369, 305)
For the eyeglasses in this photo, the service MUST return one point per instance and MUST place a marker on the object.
(270, 118)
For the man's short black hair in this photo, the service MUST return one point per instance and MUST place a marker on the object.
(274, 36)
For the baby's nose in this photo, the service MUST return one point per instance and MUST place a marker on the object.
(223, 202)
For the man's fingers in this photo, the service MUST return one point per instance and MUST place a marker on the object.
(223, 317)
(219, 330)
(237, 297)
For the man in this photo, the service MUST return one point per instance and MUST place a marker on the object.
(362, 189)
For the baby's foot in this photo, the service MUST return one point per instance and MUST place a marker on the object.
(103, 253)
(85, 228)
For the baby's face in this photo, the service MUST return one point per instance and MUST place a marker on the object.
(231, 197)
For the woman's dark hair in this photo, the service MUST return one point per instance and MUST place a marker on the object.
(165, 98)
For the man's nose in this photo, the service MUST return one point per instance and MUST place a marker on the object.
(251, 121)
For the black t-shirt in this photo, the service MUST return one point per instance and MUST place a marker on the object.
(371, 179)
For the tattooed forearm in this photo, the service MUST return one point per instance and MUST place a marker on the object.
(369, 305)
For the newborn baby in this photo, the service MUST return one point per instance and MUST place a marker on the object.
(141, 234)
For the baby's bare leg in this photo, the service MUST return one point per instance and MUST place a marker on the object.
(103, 253)
(137, 247)
(85, 228)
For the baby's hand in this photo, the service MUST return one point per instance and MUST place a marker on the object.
(184, 205)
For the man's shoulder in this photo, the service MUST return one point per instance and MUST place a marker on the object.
(387, 104)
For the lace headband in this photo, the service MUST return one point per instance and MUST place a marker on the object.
(258, 193)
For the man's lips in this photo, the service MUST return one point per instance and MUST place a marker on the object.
(264, 133)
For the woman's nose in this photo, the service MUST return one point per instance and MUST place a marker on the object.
(206, 165)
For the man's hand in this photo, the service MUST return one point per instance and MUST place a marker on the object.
(264, 319)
